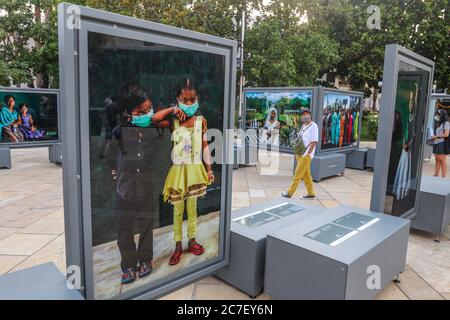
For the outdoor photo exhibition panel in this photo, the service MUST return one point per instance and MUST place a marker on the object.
(29, 117)
(274, 113)
(407, 80)
(339, 117)
(131, 164)
(437, 102)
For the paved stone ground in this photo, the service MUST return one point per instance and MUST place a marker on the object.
(32, 225)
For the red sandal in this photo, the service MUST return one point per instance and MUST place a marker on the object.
(196, 249)
(175, 258)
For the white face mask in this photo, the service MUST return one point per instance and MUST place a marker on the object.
(437, 118)
(306, 118)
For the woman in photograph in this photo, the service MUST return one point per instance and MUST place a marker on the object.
(9, 121)
(439, 142)
(271, 124)
(26, 124)
(189, 176)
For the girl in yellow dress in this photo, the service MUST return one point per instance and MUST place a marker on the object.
(189, 176)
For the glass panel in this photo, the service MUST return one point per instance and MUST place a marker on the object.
(28, 116)
(430, 119)
(256, 219)
(276, 114)
(329, 233)
(353, 220)
(140, 194)
(406, 144)
(285, 210)
(340, 120)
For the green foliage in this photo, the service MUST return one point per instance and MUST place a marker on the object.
(369, 126)
(28, 42)
(314, 55)
(295, 57)
(280, 49)
(270, 61)
(420, 25)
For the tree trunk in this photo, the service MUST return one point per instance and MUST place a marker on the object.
(375, 98)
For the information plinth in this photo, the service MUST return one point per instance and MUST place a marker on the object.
(249, 229)
(433, 214)
(347, 253)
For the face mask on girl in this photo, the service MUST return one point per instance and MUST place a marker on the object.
(437, 118)
(189, 110)
(142, 121)
(306, 118)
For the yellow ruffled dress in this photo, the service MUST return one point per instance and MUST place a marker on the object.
(187, 178)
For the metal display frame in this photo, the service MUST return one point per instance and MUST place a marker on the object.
(36, 144)
(436, 96)
(73, 63)
(314, 97)
(394, 53)
(317, 116)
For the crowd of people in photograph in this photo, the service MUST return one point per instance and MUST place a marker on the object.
(340, 127)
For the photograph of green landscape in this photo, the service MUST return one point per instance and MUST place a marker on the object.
(268, 110)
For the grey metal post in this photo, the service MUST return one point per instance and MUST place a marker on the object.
(5, 158)
(241, 54)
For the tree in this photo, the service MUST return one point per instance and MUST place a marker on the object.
(279, 56)
(269, 61)
(314, 55)
(420, 25)
(28, 43)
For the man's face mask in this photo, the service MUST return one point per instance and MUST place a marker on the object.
(144, 120)
(306, 118)
(189, 110)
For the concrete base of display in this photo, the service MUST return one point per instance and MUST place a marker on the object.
(245, 155)
(326, 165)
(345, 253)
(43, 282)
(236, 152)
(5, 158)
(275, 162)
(370, 159)
(433, 213)
(427, 151)
(55, 153)
(357, 159)
(249, 229)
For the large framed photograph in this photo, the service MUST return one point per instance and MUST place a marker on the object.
(407, 82)
(339, 117)
(147, 199)
(275, 113)
(29, 117)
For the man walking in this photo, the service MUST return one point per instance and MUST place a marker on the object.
(304, 149)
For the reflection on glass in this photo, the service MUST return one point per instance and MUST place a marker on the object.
(284, 210)
(329, 234)
(340, 120)
(145, 205)
(256, 219)
(276, 114)
(406, 145)
(353, 220)
(28, 116)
